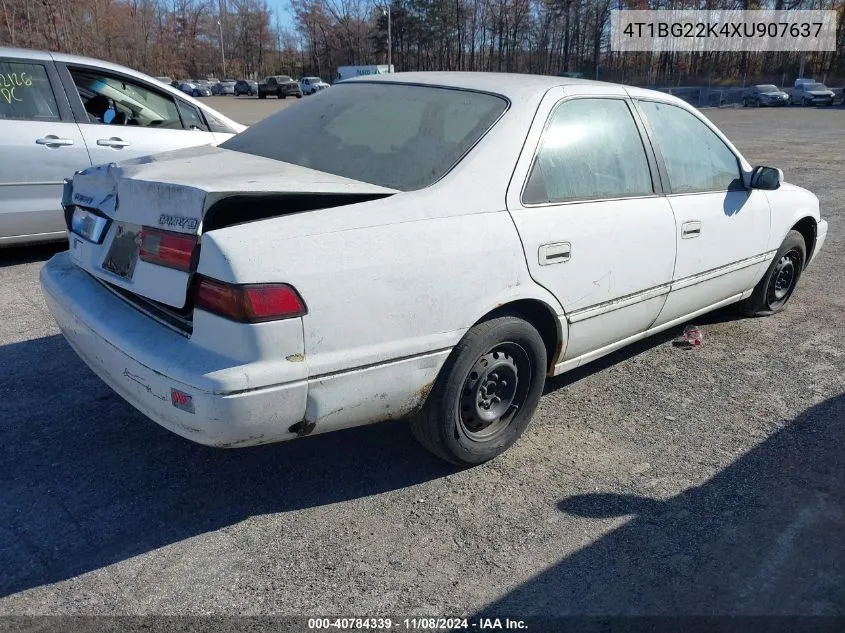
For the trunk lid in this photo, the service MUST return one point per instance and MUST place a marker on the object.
(174, 191)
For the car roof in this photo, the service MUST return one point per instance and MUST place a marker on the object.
(514, 86)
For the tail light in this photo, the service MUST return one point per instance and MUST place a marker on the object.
(166, 248)
(249, 303)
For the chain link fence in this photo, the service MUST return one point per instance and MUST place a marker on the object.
(721, 97)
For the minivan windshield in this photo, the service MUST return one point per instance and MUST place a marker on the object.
(400, 136)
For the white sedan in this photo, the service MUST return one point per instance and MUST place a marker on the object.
(424, 245)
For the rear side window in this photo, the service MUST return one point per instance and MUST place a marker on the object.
(590, 150)
(25, 92)
(394, 135)
(696, 159)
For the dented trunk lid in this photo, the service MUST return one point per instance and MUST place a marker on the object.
(174, 191)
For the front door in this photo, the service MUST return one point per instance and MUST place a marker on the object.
(41, 144)
(722, 228)
(596, 231)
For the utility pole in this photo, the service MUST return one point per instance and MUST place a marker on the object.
(222, 50)
(389, 40)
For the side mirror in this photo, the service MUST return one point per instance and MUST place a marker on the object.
(768, 178)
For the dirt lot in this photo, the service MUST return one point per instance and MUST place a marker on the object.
(655, 481)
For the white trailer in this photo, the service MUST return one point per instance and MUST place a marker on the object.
(347, 72)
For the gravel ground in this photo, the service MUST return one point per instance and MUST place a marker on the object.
(654, 481)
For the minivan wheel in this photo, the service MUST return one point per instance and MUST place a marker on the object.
(485, 394)
(777, 285)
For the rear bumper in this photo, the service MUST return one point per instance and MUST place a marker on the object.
(110, 336)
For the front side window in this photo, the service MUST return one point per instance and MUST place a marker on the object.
(394, 135)
(25, 92)
(696, 159)
(116, 101)
(591, 149)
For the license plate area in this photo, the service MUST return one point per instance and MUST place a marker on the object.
(123, 252)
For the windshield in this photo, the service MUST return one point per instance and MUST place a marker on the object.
(313, 80)
(393, 135)
(816, 87)
(768, 88)
(282, 78)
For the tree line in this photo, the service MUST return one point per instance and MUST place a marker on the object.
(195, 38)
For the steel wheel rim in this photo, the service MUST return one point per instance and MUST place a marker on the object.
(493, 391)
(784, 277)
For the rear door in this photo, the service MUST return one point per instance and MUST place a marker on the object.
(596, 230)
(41, 145)
(123, 117)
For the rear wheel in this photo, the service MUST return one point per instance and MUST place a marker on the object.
(777, 285)
(261, 95)
(485, 394)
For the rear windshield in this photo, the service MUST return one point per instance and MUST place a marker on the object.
(394, 135)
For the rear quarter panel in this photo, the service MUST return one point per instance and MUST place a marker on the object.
(384, 292)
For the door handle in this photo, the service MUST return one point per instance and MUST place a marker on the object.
(113, 142)
(555, 253)
(51, 140)
(690, 229)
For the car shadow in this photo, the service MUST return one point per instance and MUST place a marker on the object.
(764, 536)
(16, 255)
(722, 315)
(86, 481)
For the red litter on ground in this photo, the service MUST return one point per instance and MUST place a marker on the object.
(692, 337)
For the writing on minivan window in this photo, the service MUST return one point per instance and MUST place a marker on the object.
(10, 83)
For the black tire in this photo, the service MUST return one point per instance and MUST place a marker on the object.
(299, 96)
(261, 95)
(777, 285)
(497, 370)
(282, 95)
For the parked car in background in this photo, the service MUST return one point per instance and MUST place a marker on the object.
(195, 89)
(223, 87)
(280, 86)
(246, 87)
(323, 270)
(310, 85)
(764, 95)
(67, 112)
(811, 94)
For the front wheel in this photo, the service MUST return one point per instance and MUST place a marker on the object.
(777, 285)
(485, 394)
(261, 95)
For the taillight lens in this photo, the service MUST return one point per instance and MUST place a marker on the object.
(250, 303)
(166, 248)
